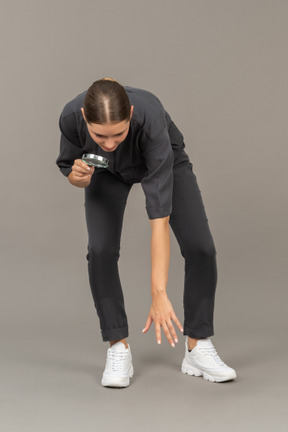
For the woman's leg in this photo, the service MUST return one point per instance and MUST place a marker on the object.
(190, 226)
(105, 202)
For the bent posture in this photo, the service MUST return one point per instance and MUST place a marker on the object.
(131, 129)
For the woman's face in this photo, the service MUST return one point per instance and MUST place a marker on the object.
(109, 135)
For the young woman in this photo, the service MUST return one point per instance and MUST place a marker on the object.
(131, 129)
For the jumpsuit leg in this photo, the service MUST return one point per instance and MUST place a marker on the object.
(189, 223)
(105, 202)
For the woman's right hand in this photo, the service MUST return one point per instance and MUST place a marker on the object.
(81, 174)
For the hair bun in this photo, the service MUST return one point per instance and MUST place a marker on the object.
(108, 79)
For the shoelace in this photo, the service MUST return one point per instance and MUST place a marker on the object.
(117, 360)
(211, 351)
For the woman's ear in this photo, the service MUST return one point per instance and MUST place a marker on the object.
(131, 112)
(82, 110)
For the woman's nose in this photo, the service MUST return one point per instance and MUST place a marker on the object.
(110, 143)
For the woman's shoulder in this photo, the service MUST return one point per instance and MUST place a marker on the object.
(146, 104)
(74, 105)
(71, 118)
(143, 97)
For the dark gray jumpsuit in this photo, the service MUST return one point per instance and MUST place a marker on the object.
(152, 154)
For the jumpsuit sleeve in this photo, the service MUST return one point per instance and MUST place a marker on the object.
(70, 144)
(157, 183)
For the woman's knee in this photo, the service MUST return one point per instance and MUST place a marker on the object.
(204, 251)
(102, 252)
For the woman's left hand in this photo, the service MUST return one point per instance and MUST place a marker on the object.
(162, 313)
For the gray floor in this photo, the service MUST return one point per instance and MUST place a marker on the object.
(50, 381)
(52, 355)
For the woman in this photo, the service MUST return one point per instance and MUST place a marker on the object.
(130, 128)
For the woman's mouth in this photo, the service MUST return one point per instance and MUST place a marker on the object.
(109, 149)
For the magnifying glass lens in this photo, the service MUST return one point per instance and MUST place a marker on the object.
(95, 160)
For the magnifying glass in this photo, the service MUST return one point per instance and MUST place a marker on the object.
(95, 160)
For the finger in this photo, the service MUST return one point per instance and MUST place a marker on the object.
(83, 168)
(158, 333)
(80, 172)
(172, 330)
(167, 334)
(177, 322)
(81, 163)
(147, 325)
(84, 177)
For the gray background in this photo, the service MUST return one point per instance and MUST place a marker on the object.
(220, 68)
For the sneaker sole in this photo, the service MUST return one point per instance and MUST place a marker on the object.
(117, 382)
(186, 368)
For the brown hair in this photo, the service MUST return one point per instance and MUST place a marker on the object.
(106, 101)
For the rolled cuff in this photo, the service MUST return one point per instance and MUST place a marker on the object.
(159, 212)
(115, 334)
(198, 333)
(66, 171)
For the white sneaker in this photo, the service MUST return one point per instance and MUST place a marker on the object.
(118, 367)
(204, 361)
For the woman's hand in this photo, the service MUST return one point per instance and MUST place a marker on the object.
(162, 314)
(81, 174)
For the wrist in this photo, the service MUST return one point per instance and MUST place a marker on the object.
(158, 292)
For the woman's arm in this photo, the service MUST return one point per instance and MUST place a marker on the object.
(160, 255)
(161, 311)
